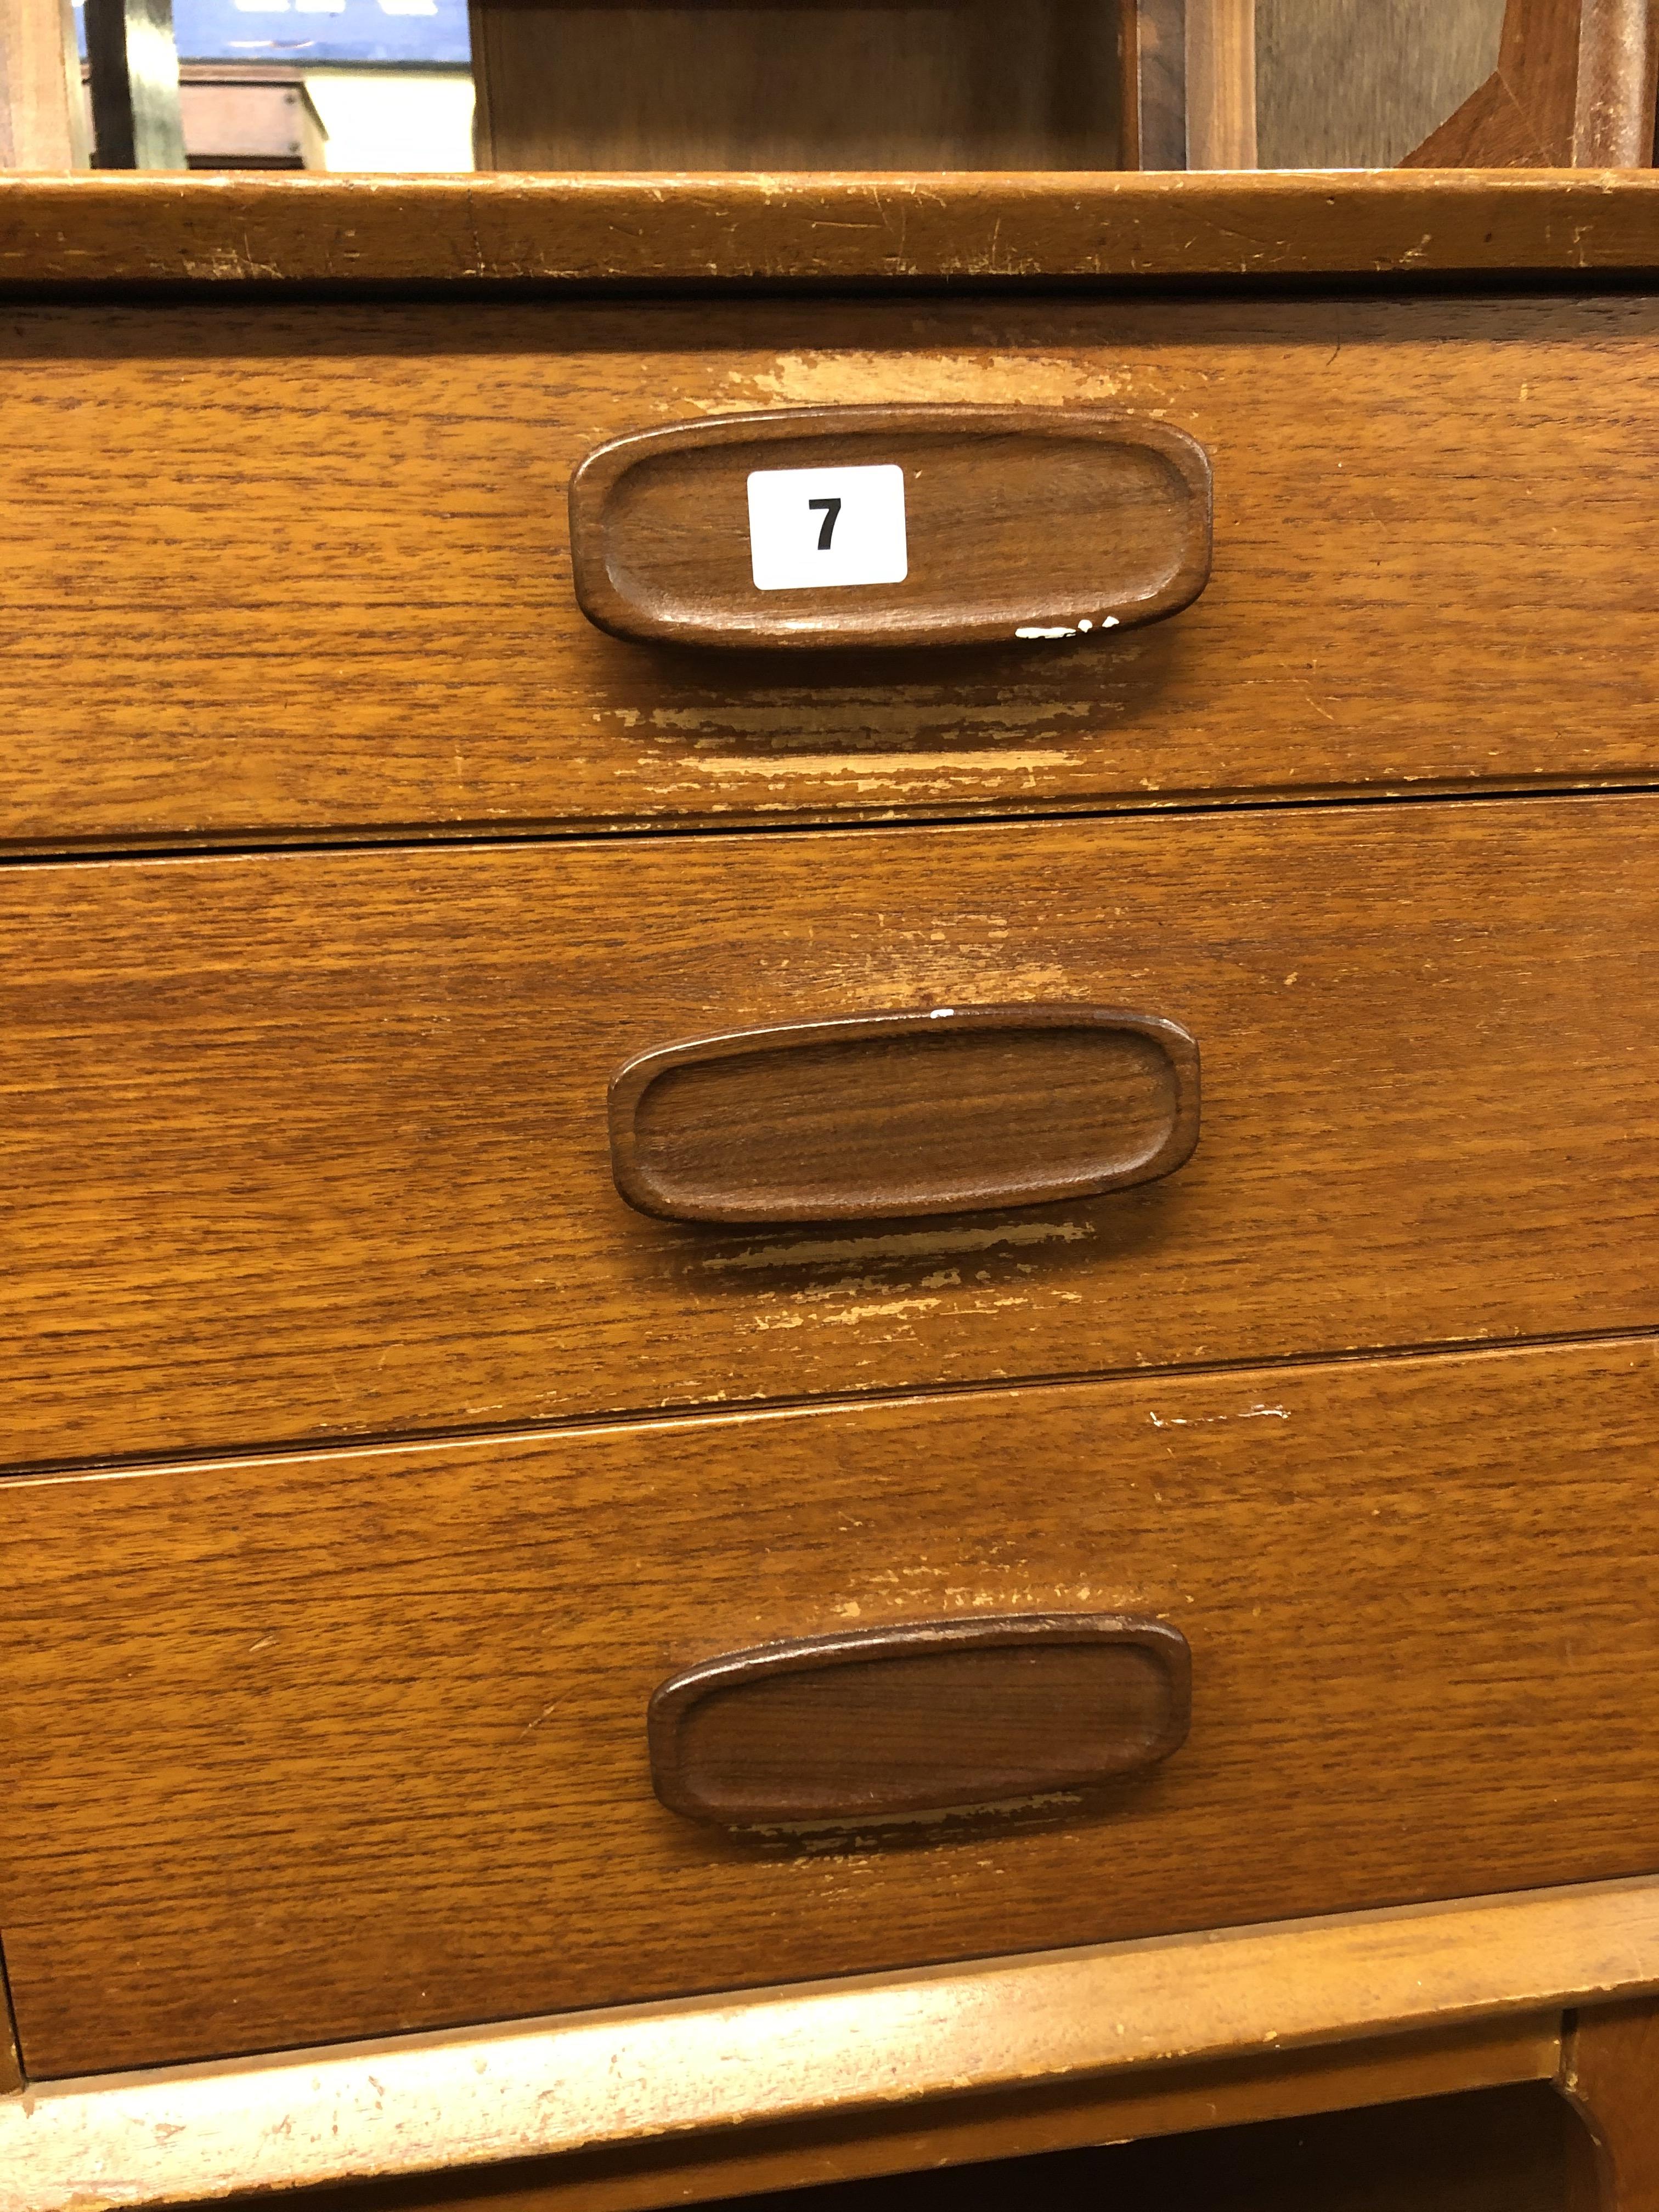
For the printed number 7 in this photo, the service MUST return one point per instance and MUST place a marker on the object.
(831, 508)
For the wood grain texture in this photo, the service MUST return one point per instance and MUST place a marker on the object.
(1574, 86)
(383, 1785)
(738, 2072)
(1152, 83)
(941, 2136)
(920, 1716)
(1220, 79)
(207, 635)
(681, 85)
(949, 1110)
(884, 230)
(1617, 87)
(315, 1145)
(1357, 83)
(43, 119)
(1522, 116)
(11, 2070)
(1030, 522)
(1188, 84)
(1609, 2065)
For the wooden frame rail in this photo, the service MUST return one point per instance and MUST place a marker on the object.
(604, 2081)
(974, 231)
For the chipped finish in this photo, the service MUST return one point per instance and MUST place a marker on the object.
(311, 1145)
(473, 2099)
(1091, 2024)
(231, 229)
(1112, 2106)
(409, 1688)
(164, 677)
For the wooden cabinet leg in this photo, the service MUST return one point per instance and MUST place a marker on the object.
(1610, 2075)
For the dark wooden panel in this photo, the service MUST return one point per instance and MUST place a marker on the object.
(1495, 2150)
(950, 1109)
(315, 1145)
(1028, 523)
(209, 630)
(1152, 79)
(876, 1722)
(303, 1749)
(795, 85)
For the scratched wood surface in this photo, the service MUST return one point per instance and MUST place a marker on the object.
(299, 569)
(888, 229)
(1168, 2032)
(941, 2136)
(315, 1144)
(391, 1704)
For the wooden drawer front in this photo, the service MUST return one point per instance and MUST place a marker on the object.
(305, 1748)
(313, 1145)
(281, 569)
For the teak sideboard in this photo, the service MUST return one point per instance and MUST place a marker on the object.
(812, 1377)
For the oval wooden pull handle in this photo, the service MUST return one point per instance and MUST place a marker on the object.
(852, 527)
(950, 1109)
(915, 1719)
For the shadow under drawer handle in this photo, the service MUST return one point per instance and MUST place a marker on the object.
(915, 1718)
(944, 1110)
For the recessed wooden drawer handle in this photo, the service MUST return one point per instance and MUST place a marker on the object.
(912, 1718)
(860, 526)
(952, 1110)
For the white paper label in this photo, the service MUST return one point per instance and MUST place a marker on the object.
(812, 527)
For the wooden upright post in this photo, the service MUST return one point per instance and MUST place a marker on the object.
(1188, 70)
(42, 110)
(135, 85)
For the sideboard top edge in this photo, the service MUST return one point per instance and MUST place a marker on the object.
(239, 230)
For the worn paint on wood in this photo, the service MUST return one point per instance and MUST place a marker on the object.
(400, 1696)
(315, 1145)
(290, 570)
(850, 2048)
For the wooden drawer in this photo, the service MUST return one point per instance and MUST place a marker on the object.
(287, 569)
(309, 1747)
(314, 1144)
